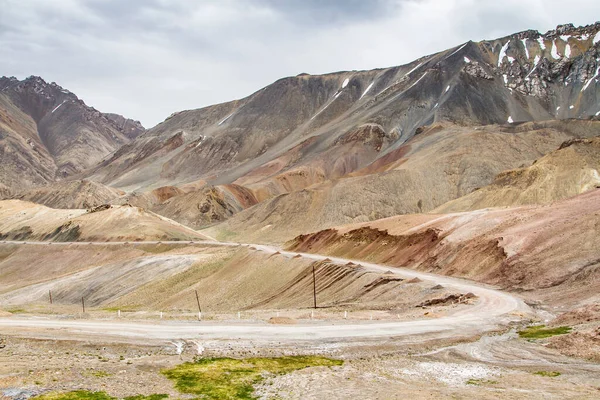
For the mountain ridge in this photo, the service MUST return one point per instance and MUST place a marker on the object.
(48, 133)
(309, 136)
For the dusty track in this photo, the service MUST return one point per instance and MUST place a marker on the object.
(492, 309)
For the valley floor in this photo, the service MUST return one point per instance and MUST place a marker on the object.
(500, 366)
(433, 351)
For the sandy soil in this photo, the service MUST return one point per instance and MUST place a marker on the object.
(386, 370)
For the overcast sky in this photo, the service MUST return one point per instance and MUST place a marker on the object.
(148, 58)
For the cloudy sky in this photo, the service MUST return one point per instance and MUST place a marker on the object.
(148, 58)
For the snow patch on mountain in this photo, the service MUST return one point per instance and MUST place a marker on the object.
(554, 51)
(502, 53)
(58, 106)
(367, 90)
(524, 41)
(591, 79)
(225, 119)
(457, 50)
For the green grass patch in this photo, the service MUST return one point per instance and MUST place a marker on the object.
(228, 378)
(541, 332)
(160, 247)
(86, 395)
(131, 308)
(551, 374)
(224, 234)
(100, 374)
(150, 397)
(15, 310)
(75, 395)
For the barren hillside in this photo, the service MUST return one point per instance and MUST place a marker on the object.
(566, 172)
(20, 220)
(547, 253)
(442, 163)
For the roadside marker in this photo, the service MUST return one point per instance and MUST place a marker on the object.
(314, 286)
(199, 309)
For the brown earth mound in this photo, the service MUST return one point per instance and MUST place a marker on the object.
(21, 220)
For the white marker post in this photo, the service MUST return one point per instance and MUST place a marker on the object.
(161, 315)
(239, 315)
(345, 314)
(119, 313)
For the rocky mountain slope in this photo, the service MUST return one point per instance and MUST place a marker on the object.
(354, 146)
(47, 133)
(442, 163)
(566, 172)
(308, 130)
(76, 194)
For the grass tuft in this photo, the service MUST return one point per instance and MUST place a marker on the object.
(100, 374)
(228, 378)
(130, 308)
(541, 332)
(87, 395)
(551, 374)
(15, 310)
(75, 395)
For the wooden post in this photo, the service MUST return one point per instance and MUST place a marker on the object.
(50, 295)
(199, 309)
(314, 287)
(83, 305)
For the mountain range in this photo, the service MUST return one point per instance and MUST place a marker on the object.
(314, 151)
(481, 162)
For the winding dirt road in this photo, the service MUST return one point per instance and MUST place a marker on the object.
(492, 309)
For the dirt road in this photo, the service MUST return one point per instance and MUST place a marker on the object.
(492, 309)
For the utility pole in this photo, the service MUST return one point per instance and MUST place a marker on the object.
(50, 295)
(199, 309)
(314, 287)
